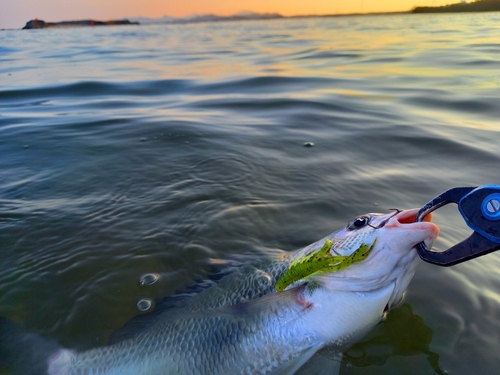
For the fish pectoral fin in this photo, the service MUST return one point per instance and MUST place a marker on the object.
(269, 304)
(292, 366)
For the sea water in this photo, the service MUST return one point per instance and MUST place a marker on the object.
(168, 149)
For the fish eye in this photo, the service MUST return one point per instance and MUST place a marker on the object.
(359, 222)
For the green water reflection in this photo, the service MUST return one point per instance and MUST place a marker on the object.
(403, 333)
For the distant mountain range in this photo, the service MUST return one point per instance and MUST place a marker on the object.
(207, 18)
(475, 6)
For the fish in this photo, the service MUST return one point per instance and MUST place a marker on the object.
(270, 317)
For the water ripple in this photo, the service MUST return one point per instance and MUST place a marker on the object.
(156, 149)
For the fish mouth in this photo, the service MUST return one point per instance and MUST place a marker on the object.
(410, 216)
(407, 220)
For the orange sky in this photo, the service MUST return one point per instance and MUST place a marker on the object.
(15, 13)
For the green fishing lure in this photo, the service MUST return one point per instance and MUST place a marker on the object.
(320, 261)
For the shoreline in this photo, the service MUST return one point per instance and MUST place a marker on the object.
(475, 7)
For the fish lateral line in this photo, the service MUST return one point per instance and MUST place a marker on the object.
(321, 261)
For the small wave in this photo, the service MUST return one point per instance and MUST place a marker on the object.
(226, 169)
(331, 55)
(8, 50)
(484, 106)
(98, 89)
(293, 105)
(268, 84)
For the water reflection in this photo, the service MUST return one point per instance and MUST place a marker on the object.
(403, 333)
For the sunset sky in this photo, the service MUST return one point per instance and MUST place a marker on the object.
(15, 13)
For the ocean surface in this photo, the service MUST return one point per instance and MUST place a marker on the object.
(167, 149)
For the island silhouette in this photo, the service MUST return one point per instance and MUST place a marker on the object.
(475, 6)
(40, 24)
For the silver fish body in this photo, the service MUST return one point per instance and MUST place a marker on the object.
(242, 325)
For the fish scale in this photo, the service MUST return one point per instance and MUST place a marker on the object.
(212, 336)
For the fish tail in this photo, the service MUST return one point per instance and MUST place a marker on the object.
(28, 353)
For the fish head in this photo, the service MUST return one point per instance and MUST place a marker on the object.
(388, 243)
(398, 231)
(351, 277)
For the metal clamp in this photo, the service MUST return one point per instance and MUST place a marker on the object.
(480, 208)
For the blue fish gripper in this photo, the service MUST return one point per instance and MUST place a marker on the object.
(480, 208)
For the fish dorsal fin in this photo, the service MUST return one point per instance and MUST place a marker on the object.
(133, 327)
(218, 271)
(138, 323)
(245, 310)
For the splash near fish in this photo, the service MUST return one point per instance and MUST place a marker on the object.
(320, 261)
(266, 317)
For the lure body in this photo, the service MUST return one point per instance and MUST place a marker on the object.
(321, 261)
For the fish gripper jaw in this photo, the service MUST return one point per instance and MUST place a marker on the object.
(480, 208)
